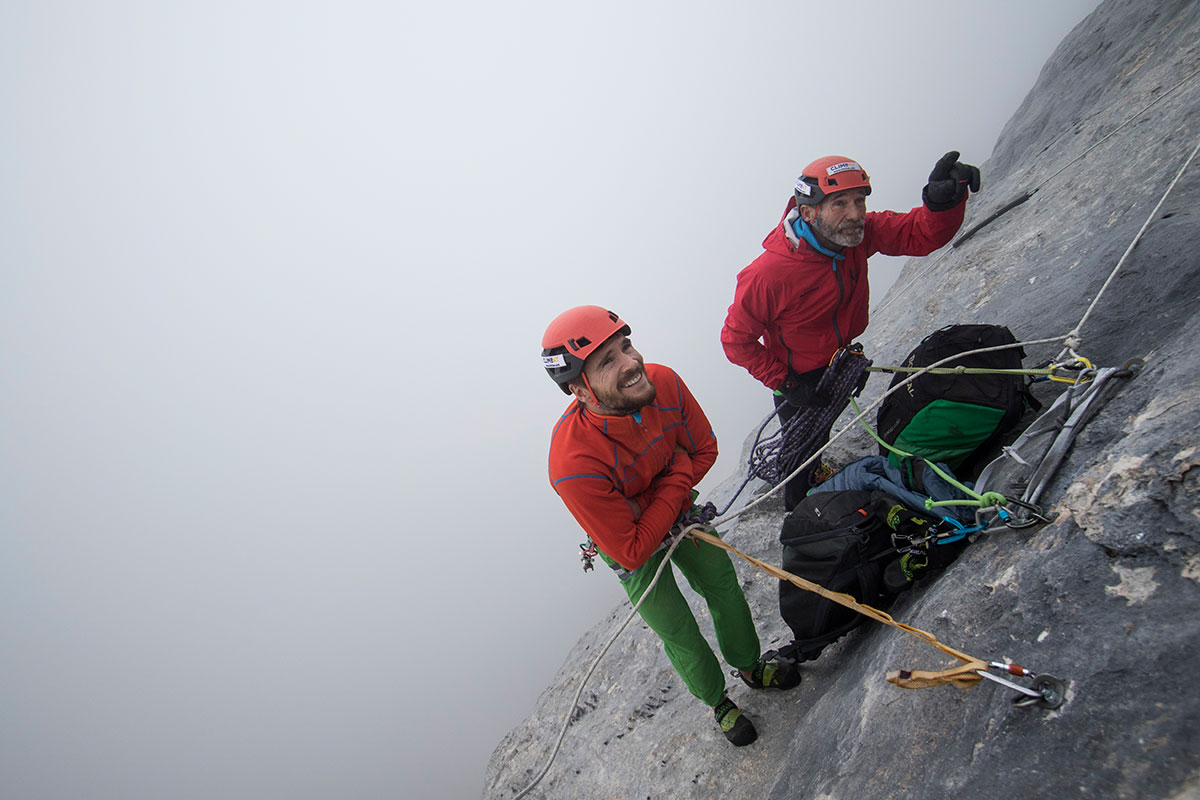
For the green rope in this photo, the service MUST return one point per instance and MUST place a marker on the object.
(967, 371)
(985, 500)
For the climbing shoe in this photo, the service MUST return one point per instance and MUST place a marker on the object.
(771, 675)
(895, 580)
(736, 726)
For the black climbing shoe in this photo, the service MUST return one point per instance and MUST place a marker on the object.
(771, 675)
(736, 726)
(894, 579)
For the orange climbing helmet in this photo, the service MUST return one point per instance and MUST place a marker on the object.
(572, 337)
(827, 175)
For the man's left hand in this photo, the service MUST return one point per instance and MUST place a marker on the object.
(948, 183)
(800, 389)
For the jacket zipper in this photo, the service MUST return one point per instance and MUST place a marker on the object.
(785, 346)
(841, 296)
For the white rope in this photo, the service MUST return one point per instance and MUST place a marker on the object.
(1073, 338)
(575, 703)
(1113, 132)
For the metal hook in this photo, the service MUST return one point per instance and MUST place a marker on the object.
(1035, 516)
(1047, 691)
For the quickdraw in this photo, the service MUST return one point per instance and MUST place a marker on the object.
(1032, 514)
(589, 555)
(1047, 691)
(916, 547)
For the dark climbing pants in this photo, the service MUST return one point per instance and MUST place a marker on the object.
(710, 573)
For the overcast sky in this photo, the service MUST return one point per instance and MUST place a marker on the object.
(274, 517)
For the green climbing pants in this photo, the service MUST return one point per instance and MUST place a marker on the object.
(710, 573)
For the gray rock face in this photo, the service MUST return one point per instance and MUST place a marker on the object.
(1106, 597)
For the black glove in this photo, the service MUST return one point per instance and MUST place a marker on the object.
(948, 183)
(800, 389)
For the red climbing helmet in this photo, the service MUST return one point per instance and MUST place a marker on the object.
(572, 337)
(828, 175)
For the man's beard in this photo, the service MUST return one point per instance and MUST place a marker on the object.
(643, 395)
(848, 234)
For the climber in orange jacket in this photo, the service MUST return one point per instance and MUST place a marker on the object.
(624, 458)
(806, 295)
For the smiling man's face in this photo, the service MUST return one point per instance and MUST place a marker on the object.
(616, 375)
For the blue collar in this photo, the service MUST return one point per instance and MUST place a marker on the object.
(804, 232)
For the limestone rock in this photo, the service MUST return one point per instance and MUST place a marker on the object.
(1106, 597)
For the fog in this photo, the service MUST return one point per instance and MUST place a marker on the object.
(274, 515)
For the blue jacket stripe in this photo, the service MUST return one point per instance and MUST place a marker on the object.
(582, 475)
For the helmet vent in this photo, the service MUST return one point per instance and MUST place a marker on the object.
(580, 343)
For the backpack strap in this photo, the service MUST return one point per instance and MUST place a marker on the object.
(912, 474)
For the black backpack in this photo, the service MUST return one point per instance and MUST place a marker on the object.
(953, 418)
(843, 540)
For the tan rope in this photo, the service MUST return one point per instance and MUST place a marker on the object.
(961, 676)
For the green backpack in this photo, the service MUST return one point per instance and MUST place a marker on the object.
(952, 419)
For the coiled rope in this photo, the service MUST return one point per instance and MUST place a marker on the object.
(964, 675)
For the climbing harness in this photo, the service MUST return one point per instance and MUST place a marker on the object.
(695, 515)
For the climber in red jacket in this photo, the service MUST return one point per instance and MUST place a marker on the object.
(806, 295)
(624, 458)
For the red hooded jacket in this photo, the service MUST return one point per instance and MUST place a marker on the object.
(804, 305)
(598, 463)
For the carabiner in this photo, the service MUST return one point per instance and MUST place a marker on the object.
(1035, 516)
(1047, 691)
